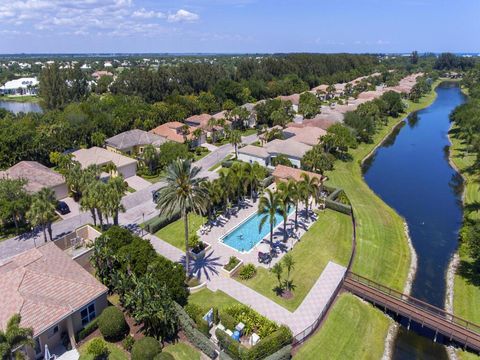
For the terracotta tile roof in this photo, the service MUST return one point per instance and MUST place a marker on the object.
(135, 137)
(294, 98)
(44, 285)
(290, 147)
(171, 131)
(37, 175)
(286, 173)
(99, 156)
(254, 151)
(199, 120)
(305, 135)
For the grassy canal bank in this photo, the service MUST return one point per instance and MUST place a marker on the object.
(382, 253)
(466, 291)
(20, 99)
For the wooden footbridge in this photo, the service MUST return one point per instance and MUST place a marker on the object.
(441, 322)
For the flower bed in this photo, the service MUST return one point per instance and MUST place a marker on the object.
(232, 266)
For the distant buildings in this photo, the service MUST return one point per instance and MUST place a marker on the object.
(179, 132)
(22, 86)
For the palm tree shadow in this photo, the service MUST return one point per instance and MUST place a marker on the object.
(205, 267)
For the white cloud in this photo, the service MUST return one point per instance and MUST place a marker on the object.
(183, 15)
(144, 14)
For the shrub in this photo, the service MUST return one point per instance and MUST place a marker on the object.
(152, 226)
(88, 329)
(227, 163)
(128, 343)
(137, 255)
(284, 353)
(199, 340)
(253, 321)
(202, 326)
(193, 310)
(112, 324)
(98, 349)
(146, 349)
(227, 320)
(271, 343)
(231, 347)
(232, 262)
(164, 356)
(216, 318)
(172, 275)
(117, 237)
(247, 272)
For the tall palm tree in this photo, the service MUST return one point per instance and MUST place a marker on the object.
(285, 194)
(268, 207)
(235, 139)
(182, 192)
(277, 269)
(289, 265)
(14, 337)
(116, 189)
(309, 188)
(42, 211)
(149, 158)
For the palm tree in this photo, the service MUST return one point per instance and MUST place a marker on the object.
(149, 158)
(309, 188)
(285, 201)
(268, 207)
(110, 168)
(14, 337)
(42, 211)
(235, 138)
(116, 189)
(289, 265)
(277, 269)
(182, 192)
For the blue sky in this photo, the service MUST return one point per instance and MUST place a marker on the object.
(59, 26)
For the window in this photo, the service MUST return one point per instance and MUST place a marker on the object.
(88, 314)
(52, 331)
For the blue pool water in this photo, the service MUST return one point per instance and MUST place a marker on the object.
(244, 237)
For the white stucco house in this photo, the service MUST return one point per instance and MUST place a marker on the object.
(22, 86)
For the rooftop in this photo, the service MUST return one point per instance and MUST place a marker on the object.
(99, 156)
(254, 151)
(289, 147)
(38, 176)
(135, 137)
(171, 131)
(306, 135)
(288, 173)
(44, 286)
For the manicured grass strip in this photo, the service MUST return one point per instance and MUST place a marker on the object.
(116, 353)
(207, 299)
(329, 239)
(182, 351)
(466, 293)
(174, 233)
(353, 330)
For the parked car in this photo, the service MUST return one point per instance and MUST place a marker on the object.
(155, 195)
(63, 208)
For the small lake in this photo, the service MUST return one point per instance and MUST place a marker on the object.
(17, 107)
(412, 174)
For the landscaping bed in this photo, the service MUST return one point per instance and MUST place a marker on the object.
(174, 233)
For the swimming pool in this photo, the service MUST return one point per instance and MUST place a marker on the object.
(246, 235)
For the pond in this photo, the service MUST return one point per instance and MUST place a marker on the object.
(412, 174)
(17, 106)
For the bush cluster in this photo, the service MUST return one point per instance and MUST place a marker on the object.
(247, 272)
(88, 329)
(164, 356)
(128, 343)
(98, 349)
(254, 322)
(112, 324)
(146, 349)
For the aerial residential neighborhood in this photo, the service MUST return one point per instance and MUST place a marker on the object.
(212, 181)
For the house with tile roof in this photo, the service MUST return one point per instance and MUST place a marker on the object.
(133, 141)
(54, 296)
(305, 135)
(101, 157)
(286, 173)
(173, 131)
(38, 176)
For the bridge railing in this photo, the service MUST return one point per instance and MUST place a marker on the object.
(415, 302)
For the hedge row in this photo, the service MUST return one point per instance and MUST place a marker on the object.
(88, 329)
(198, 339)
(152, 226)
(270, 345)
(284, 353)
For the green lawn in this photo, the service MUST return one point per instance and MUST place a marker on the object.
(182, 351)
(204, 153)
(467, 286)
(207, 299)
(116, 353)
(174, 233)
(154, 179)
(329, 239)
(353, 330)
(248, 132)
(18, 98)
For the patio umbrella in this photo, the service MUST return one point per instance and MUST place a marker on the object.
(264, 248)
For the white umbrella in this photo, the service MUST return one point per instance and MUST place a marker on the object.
(264, 248)
(46, 355)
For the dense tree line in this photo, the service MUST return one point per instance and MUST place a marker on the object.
(449, 61)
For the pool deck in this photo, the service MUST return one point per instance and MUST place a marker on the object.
(209, 269)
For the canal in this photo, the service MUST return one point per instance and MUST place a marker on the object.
(18, 107)
(412, 174)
